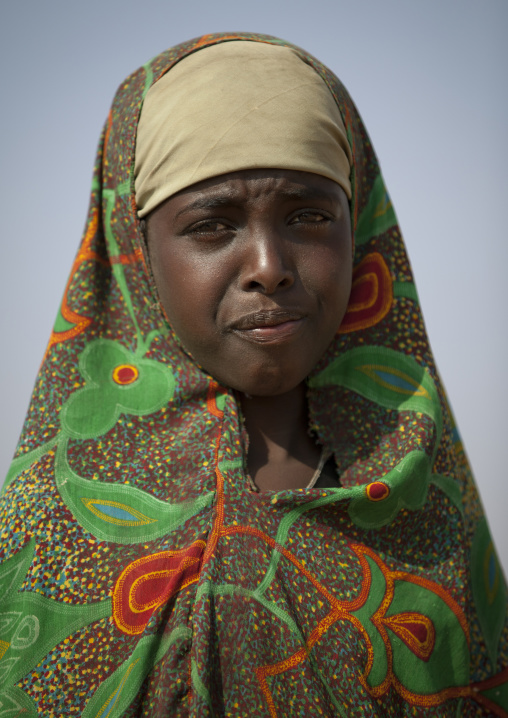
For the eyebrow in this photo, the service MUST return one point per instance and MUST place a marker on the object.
(207, 203)
(309, 194)
(296, 193)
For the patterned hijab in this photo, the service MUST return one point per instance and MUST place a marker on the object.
(141, 576)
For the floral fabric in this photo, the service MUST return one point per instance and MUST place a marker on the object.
(139, 573)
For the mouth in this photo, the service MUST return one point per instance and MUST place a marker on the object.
(269, 326)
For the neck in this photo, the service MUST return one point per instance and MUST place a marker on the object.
(279, 443)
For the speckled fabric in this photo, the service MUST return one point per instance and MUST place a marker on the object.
(141, 576)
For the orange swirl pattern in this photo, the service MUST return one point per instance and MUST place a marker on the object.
(371, 294)
(416, 630)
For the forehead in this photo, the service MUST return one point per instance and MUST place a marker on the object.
(253, 187)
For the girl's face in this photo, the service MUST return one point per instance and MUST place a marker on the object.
(253, 269)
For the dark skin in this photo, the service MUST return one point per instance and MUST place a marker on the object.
(253, 270)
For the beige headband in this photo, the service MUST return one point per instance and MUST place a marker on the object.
(233, 106)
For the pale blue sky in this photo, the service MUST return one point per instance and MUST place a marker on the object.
(430, 81)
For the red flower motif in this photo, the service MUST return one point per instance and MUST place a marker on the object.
(415, 630)
(371, 294)
(151, 581)
(125, 374)
(377, 491)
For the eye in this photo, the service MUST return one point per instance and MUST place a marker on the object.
(209, 229)
(309, 217)
(209, 226)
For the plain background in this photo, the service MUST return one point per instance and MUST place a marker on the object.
(430, 81)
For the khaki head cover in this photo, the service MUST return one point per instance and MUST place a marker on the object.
(234, 106)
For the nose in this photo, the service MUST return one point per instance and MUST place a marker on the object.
(266, 264)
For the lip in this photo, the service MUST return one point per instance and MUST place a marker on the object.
(269, 326)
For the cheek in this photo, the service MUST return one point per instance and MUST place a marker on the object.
(172, 286)
(330, 276)
(187, 290)
(343, 283)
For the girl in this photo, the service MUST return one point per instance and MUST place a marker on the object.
(239, 489)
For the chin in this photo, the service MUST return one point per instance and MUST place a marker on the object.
(267, 383)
